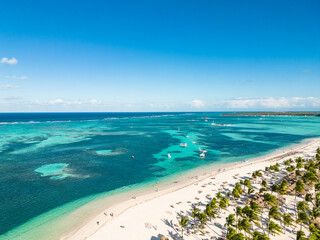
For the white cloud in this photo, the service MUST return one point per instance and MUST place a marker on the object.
(7, 86)
(94, 101)
(11, 61)
(16, 77)
(57, 101)
(197, 103)
(272, 103)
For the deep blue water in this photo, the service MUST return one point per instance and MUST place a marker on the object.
(50, 159)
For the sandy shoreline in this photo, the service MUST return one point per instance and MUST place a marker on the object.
(143, 217)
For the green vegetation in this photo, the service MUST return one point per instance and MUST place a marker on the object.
(265, 213)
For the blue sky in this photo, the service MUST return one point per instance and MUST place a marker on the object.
(159, 55)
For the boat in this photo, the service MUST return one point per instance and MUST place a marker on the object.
(183, 144)
(202, 155)
(169, 156)
(203, 151)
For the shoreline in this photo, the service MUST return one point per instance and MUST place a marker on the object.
(123, 202)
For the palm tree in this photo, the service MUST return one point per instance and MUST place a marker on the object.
(202, 219)
(236, 193)
(269, 199)
(230, 221)
(275, 214)
(290, 168)
(238, 211)
(223, 203)
(230, 233)
(256, 174)
(287, 221)
(250, 191)
(283, 187)
(299, 165)
(194, 214)
(298, 173)
(247, 183)
(315, 232)
(244, 225)
(264, 183)
(302, 206)
(255, 207)
(299, 190)
(310, 178)
(315, 213)
(300, 235)
(238, 236)
(259, 236)
(251, 215)
(308, 198)
(317, 199)
(211, 212)
(219, 195)
(183, 221)
(274, 228)
(303, 218)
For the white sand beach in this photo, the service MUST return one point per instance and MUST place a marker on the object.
(153, 214)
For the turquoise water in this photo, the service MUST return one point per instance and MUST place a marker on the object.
(51, 164)
(54, 171)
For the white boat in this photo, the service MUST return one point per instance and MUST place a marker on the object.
(187, 136)
(169, 156)
(202, 155)
(203, 151)
(183, 144)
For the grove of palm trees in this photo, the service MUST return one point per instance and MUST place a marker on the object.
(281, 200)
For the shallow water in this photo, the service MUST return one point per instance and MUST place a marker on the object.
(54, 163)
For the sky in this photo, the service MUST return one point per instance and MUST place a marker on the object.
(110, 56)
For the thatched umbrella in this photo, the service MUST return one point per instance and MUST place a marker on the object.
(316, 222)
(164, 238)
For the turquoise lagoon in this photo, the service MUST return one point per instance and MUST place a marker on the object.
(51, 164)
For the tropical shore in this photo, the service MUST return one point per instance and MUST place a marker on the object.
(153, 213)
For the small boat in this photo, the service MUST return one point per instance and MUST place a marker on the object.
(187, 136)
(169, 156)
(203, 151)
(132, 156)
(183, 144)
(202, 155)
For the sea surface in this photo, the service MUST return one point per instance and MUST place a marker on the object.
(53, 163)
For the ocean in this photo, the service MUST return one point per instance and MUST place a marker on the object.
(53, 163)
